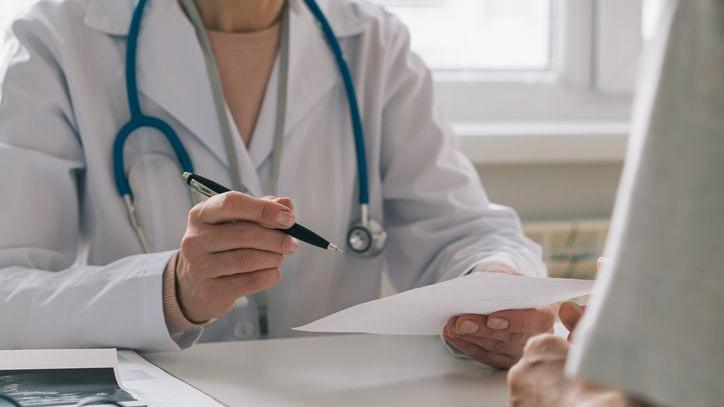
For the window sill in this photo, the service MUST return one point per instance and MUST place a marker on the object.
(543, 142)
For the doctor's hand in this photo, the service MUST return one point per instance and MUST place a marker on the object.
(498, 339)
(231, 249)
(570, 314)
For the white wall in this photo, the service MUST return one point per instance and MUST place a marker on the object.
(542, 192)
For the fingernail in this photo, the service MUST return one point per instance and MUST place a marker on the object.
(295, 245)
(285, 218)
(497, 323)
(469, 327)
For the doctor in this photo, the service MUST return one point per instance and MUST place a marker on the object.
(77, 271)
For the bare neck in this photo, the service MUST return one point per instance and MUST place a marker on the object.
(236, 16)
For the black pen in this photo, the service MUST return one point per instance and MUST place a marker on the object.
(210, 188)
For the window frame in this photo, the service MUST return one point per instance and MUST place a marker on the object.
(588, 87)
(578, 85)
(578, 95)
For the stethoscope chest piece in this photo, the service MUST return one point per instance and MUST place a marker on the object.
(366, 240)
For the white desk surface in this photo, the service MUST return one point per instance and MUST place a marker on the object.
(349, 370)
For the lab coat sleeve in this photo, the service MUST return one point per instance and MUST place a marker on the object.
(439, 220)
(48, 298)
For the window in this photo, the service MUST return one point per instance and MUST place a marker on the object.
(534, 68)
(529, 64)
(479, 34)
(585, 43)
(511, 74)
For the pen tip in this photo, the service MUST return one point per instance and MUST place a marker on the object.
(335, 249)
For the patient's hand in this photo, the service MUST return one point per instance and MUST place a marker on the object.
(538, 380)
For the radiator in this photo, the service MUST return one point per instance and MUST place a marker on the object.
(570, 248)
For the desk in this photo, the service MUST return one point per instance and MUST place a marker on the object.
(349, 370)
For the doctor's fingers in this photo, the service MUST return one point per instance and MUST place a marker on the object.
(235, 206)
(475, 325)
(513, 347)
(239, 285)
(240, 235)
(239, 261)
(510, 344)
(570, 314)
(284, 200)
(473, 351)
(535, 320)
(219, 294)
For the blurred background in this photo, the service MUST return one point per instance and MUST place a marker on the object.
(539, 94)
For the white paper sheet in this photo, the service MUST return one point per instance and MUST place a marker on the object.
(424, 311)
(156, 387)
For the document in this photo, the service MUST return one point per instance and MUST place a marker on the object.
(425, 310)
(65, 377)
(157, 388)
(61, 377)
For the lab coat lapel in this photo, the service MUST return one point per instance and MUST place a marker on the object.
(262, 142)
(313, 73)
(172, 72)
(249, 174)
(170, 65)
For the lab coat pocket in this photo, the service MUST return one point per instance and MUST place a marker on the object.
(162, 200)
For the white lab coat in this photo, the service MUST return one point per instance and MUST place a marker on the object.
(71, 269)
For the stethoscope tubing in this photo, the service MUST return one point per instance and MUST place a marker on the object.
(139, 120)
(135, 124)
(131, 57)
(354, 110)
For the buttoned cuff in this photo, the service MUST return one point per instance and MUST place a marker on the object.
(176, 321)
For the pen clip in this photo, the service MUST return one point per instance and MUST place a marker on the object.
(201, 188)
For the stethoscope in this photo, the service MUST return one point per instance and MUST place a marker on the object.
(365, 237)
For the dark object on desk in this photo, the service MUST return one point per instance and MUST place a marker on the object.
(7, 400)
(61, 387)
